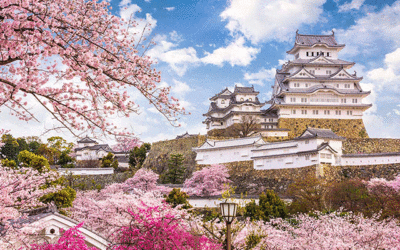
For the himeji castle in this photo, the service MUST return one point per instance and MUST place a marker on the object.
(317, 84)
(314, 89)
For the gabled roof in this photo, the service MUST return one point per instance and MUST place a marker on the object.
(320, 133)
(311, 40)
(245, 90)
(104, 147)
(86, 139)
(325, 145)
(225, 93)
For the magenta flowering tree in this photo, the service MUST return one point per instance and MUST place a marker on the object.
(126, 144)
(153, 229)
(71, 239)
(78, 61)
(208, 181)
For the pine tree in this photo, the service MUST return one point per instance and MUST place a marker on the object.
(176, 170)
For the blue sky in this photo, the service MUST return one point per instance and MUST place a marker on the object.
(205, 46)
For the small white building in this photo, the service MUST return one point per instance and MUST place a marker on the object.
(89, 149)
(313, 147)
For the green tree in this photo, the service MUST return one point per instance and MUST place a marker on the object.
(138, 155)
(270, 206)
(176, 170)
(8, 163)
(65, 160)
(22, 144)
(177, 197)
(62, 199)
(109, 161)
(10, 148)
(32, 160)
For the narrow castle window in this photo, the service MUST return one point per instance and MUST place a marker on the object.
(312, 53)
(307, 53)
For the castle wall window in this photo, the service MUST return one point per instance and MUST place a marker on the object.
(307, 142)
(343, 100)
(307, 53)
(306, 85)
(303, 99)
(354, 100)
(293, 111)
(338, 112)
(327, 54)
(337, 85)
(349, 112)
(296, 84)
(312, 53)
(317, 53)
(322, 53)
(328, 72)
(327, 112)
(347, 86)
(292, 99)
(307, 157)
(304, 112)
(312, 71)
(315, 112)
(271, 120)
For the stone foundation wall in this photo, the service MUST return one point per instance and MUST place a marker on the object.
(339, 173)
(370, 145)
(248, 180)
(342, 127)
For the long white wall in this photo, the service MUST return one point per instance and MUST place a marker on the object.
(85, 171)
(373, 159)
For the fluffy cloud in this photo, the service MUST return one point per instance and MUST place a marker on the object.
(260, 20)
(388, 76)
(353, 5)
(373, 32)
(178, 59)
(235, 53)
(260, 77)
(169, 8)
(180, 88)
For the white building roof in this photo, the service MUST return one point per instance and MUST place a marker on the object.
(247, 141)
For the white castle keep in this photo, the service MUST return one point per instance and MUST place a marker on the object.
(315, 85)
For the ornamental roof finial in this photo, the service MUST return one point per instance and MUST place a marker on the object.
(333, 33)
(297, 31)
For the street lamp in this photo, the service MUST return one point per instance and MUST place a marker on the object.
(228, 211)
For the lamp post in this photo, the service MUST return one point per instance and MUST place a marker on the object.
(228, 211)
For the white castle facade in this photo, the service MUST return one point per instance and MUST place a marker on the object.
(313, 147)
(315, 85)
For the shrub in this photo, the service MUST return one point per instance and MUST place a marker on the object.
(177, 197)
(270, 206)
(62, 198)
(109, 161)
(8, 163)
(31, 160)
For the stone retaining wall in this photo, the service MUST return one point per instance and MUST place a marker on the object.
(343, 127)
(89, 182)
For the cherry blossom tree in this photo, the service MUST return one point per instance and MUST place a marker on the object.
(20, 190)
(208, 181)
(78, 61)
(152, 228)
(126, 144)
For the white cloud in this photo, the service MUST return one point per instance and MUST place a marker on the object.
(174, 36)
(260, 20)
(372, 32)
(260, 77)
(235, 53)
(178, 59)
(169, 8)
(389, 76)
(353, 5)
(180, 88)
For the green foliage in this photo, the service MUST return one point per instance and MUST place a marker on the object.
(109, 161)
(33, 147)
(62, 199)
(65, 160)
(138, 155)
(10, 148)
(252, 240)
(8, 163)
(32, 160)
(176, 170)
(270, 205)
(177, 197)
